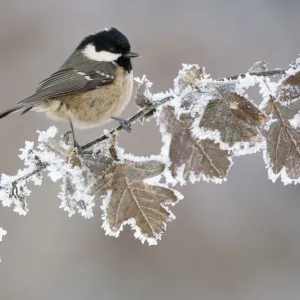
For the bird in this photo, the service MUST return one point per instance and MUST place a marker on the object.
(91, 87)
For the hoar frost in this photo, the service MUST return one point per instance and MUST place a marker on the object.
(204, 124)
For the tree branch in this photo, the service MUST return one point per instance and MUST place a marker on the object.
(259, 74)
(141, 114)
(138, 116)
(38, 170)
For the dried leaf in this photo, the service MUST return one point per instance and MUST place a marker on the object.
(288, 111)
(78, 183)
(283, 151)
(143, 94)
(236, 118)
(189, 76)
(131, 199)
(287, 93)
(289, 90)
(292, 79)
(191, 157)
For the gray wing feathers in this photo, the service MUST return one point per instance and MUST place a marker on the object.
(77, 74)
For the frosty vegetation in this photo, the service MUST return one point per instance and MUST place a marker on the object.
(204, 123)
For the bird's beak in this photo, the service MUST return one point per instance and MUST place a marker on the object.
(131, 55)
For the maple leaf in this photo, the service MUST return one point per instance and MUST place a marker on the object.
(236, 119)
(282, 153)
(192, 158)
(129, 200)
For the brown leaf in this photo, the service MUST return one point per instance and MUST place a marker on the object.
(78, 184)
(289, 90)
(236, 118)
(283, 150)
(98, 164)
(132, 199)
(189, 76)
(292, 79)
(201, 158)
(282, 154)
(287, 110)
(142, 98)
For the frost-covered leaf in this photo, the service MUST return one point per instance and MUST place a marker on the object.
(287, 110)
(258, 67)
(189, 77)
(129, 200)
(143, 95)
(289, 88)
(79, 181)
(192, 158)
(237, 120)
(282, 153)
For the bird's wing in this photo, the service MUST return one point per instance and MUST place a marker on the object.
(70, 80)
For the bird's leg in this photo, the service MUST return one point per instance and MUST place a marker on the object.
(76, 144)
(123, 123)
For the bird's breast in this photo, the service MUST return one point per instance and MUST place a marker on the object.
(96, 107)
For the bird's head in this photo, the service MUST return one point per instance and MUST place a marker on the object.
(107, 45)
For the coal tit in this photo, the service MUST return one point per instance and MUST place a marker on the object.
(91, 87)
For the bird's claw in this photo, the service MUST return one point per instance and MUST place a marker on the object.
(123, 123)
(76, 145)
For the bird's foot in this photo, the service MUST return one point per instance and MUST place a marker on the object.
(76, 145)
(123, 123)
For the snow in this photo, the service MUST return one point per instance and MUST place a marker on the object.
(295, 69)
(295, 121)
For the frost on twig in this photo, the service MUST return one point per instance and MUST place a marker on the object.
(204, 123)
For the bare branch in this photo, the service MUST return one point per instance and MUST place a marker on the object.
(275, 72)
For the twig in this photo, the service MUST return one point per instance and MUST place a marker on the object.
(142, 113)
(259, 74)
(38, 170)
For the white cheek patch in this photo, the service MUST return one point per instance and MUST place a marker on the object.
(90, 52)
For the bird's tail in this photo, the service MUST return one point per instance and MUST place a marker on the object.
(8, 111)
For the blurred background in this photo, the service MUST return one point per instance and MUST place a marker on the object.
(238, 240)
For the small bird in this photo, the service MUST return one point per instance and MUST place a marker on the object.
(93, 85)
